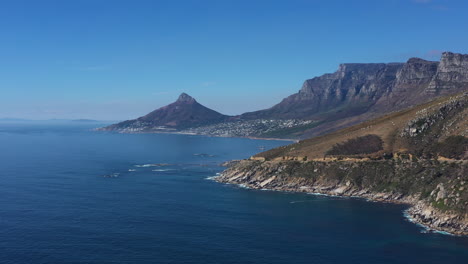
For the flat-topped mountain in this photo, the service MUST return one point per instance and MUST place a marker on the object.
(184, 113)
(359, 91)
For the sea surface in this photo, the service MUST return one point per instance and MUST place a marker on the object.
(70, 195)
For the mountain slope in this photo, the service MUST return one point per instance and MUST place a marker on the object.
(356, 85)
(417, 156)
(360, 91)
(183, 113)
(412, 131)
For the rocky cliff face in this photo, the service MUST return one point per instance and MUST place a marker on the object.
(451, 74)
(409, 87)
(354, 87)
(415, 72)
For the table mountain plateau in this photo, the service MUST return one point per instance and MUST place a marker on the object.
(360, 91)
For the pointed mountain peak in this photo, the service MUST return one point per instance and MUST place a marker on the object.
(183, 97)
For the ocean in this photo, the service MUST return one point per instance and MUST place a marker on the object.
(71, 195)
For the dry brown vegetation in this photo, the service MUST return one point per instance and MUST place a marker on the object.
(388, 128)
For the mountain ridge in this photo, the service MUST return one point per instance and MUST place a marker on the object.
(359, 91)
(356, 92)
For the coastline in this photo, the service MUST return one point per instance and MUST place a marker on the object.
(193, 134)
(420, 212)
(406, 213)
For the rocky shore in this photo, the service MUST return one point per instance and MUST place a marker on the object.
(435, 190)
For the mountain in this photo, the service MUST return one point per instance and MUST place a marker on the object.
(359, 91)
(415, 131)
(417, 156)
(183, 113)
(356, 92)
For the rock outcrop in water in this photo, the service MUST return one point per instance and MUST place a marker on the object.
(419, 157)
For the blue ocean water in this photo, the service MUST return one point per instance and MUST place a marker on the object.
(69, 195)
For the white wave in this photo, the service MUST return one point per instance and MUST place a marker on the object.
(293, 202)
(211, 178)
(443, 233)
(151, 165)
(424, 228)
(160, 170)
(143, 166)
(131, 170)
(112, 175)
(324, 194)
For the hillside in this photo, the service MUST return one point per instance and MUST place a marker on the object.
(417, 156)
(360, 91)
(412, 131)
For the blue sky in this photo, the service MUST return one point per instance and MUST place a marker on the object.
(121, 59)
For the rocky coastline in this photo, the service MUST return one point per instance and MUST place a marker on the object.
(381, 181)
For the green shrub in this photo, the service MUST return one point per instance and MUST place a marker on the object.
(454, 147)
(361, 145)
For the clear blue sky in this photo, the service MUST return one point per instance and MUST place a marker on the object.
(121, 59)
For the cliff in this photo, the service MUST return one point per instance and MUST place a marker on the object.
(417, 156)
(354, 86)
(361, 91)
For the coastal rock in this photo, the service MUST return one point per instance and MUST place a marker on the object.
(441, 194)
